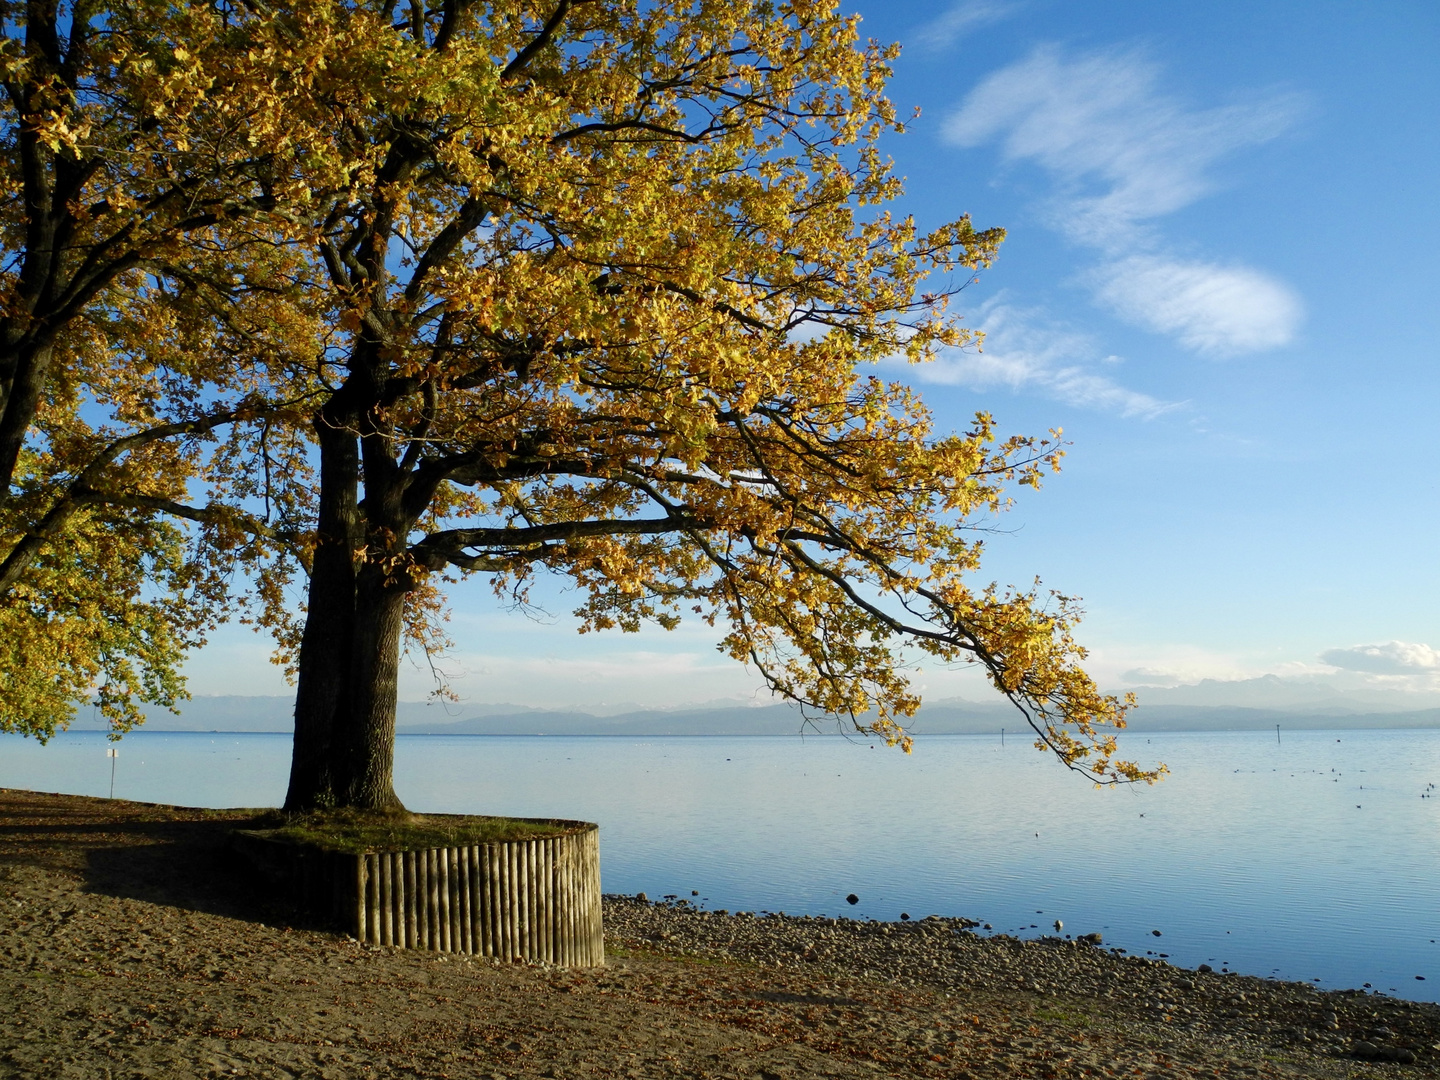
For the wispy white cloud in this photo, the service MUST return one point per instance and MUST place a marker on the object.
(1212, 309)
(1122, 153)
(961, 18)
(1121, 149)
(1023, 350)
(1387, 658)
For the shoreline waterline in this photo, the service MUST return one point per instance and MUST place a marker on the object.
(1266, 843)
(131, 937)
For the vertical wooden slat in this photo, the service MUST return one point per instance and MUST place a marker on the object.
(561, 846)
(467, 926)
(557, 915)
(422, 899)
(482, 900)
(512, 904)
(432, 901)
(442, 911)
(455, 921)
(382, 864)
(542, 903)
(397, 893)
(417, 901)
(477, 907)
(397, 896)
(495, 853)
(462, 900)
(546, 900)
(503, 907)
(527, 907)
(597, 955)
(359, 908)
(411, 939)
(492, 885)
(487, 909)
(503, 910)
(568, 884)
(442, 893)
(577, 923)
(543, 950)
(485, 945)
(527, 897)
(537, 903)
(582, 920)
(372, 900)
(442, 921)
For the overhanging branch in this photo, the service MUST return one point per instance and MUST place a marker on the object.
(440, 548)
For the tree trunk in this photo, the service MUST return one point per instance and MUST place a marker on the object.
(22, 375)
(322, 696)
(365, 734)
(349, 661)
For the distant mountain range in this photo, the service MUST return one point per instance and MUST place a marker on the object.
(1312, 695)
(1162, 709)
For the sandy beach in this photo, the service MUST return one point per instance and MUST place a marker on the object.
(132, 945)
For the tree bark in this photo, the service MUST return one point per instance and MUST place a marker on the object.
(365, 736)
(22, 376)
(349, 660)
(322, 695)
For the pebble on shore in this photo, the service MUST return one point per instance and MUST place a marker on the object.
(1256, 1013)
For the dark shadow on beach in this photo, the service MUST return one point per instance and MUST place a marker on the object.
(171, 855)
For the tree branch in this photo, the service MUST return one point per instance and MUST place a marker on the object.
(82, 488)
(437, 549)
(546, 35)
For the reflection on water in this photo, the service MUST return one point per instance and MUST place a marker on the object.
(1316, 859)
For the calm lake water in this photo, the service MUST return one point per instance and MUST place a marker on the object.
(1315, 859)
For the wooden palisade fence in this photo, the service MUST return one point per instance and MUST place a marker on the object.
(533, 900)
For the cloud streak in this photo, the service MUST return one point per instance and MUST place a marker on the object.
(1102, 121)
(1122, 154)
(1387, 658)
(1211, 309)
(1023, 350)
(961, 18)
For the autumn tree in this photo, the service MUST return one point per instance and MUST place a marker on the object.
(587, 289)
(142, 140)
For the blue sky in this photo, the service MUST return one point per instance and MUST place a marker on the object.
(1221, 280)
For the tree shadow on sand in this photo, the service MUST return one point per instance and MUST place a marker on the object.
(175, 856)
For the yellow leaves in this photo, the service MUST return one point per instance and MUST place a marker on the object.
(627, 284)
(87, 622)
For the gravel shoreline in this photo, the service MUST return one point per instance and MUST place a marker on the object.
(131, 946)
(1259, 1014)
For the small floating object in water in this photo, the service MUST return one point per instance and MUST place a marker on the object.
(1156, 933)
(852, 899)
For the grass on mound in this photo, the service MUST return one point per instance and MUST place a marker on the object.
(356, 832)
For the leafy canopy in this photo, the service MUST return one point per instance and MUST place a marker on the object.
(586, 289)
